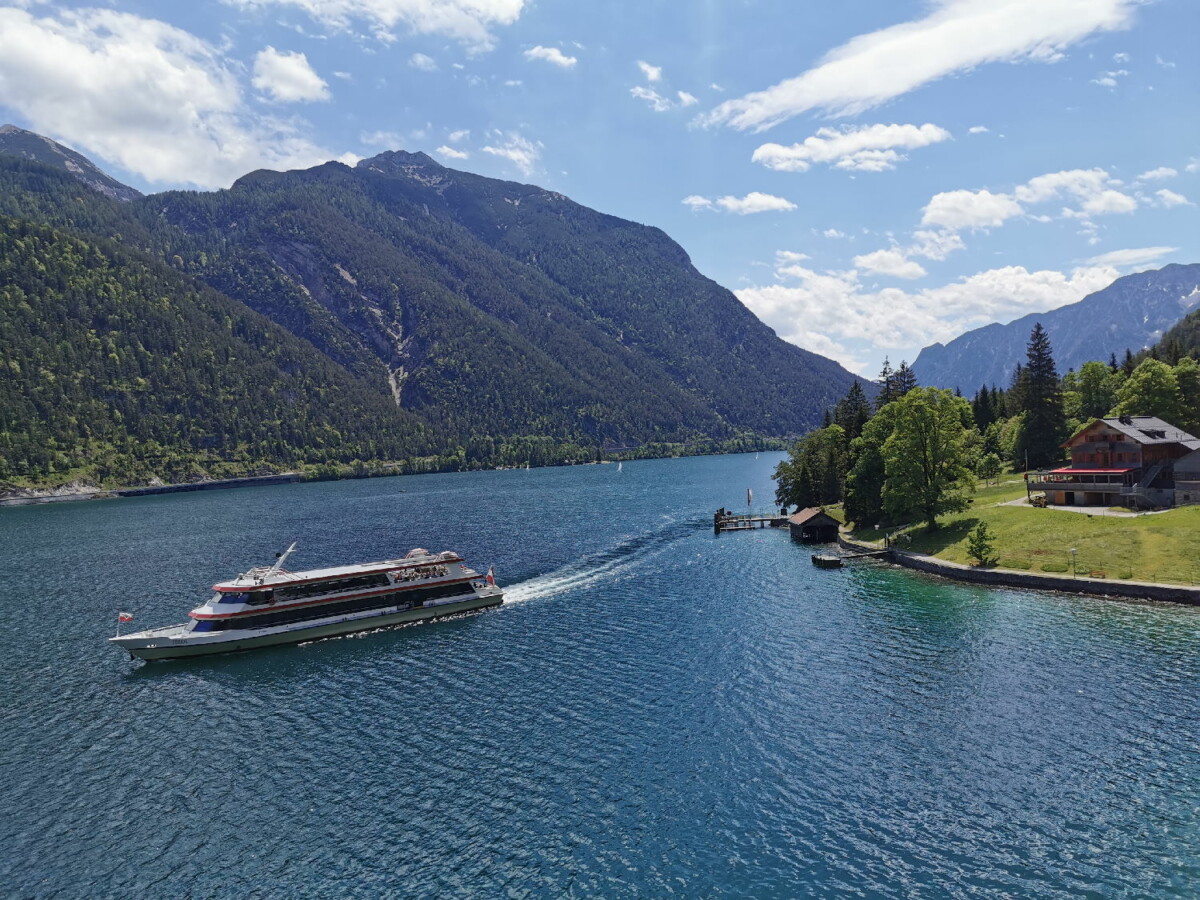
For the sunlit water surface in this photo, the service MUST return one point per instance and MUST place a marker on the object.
(655, 711)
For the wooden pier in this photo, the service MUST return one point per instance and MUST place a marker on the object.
(724, 520)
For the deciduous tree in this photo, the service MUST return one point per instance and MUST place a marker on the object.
(925, 457)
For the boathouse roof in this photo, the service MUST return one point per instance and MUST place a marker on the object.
(810, 516)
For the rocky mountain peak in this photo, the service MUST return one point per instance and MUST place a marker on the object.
(399, 162)
(16, 141)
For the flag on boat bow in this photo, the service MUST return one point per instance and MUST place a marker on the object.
(124, 617)
(491, 577)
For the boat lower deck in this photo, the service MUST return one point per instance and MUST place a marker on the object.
(176, 642)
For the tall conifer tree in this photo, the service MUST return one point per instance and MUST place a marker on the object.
(887, 385)
(905, 379)
(1045, 425)
(853, 411)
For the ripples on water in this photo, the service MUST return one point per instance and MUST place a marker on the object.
(655, 711)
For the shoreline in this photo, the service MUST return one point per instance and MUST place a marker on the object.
(35, 498)
(1100, 587)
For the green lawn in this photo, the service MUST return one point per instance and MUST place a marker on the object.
(1162, 547)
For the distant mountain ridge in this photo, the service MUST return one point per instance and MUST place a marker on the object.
(1131, 313)
(16, 141)
(497, 314)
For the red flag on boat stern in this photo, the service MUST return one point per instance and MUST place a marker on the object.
(491, 576)
(124, 617)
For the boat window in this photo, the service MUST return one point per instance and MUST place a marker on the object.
(407, 599)
(334, 586)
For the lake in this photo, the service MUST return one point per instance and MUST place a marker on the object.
(655, 711)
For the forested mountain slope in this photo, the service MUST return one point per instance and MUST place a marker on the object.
(18, 142)
(1181, 339)
(1131, 313)
(117, 365)
(489, 312)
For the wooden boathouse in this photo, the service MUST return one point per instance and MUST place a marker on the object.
(813, 526)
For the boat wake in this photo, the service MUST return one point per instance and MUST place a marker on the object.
(605, 565)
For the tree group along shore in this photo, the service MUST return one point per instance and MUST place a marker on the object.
(929, 464)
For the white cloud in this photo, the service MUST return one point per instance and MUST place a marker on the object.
(1162, 172)
(652, 73)
(455, 136)
(1074, 182)
(753, 202)
(956, 36)
(390, 139)
(142, 94)
(831, 313)
(551, 55)
(1121, 57)
(833, 233)
(898, 261)
(653, 98)
(870, 148)
(1170, 198)
(787, 258)
(287, 77)
(969, 209)
(1107, 201)
(1093, 189)
(686, 99)
(1132, 257)
(452, 153)
(1109, 79)
(890, 262)
(521, 152)
(935, 244)
(467, 21)
(978, 129)
(423, 62)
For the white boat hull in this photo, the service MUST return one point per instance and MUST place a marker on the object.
(177, 643)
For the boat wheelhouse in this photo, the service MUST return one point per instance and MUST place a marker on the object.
(270, 605)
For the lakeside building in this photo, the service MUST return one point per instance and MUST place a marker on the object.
(1135, 461)
(813, 526)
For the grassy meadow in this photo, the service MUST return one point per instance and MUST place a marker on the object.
(1162, 547)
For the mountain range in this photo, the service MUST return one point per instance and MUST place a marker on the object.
(1130, 314)
(488, 320)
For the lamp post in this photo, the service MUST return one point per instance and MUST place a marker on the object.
(1073, 551)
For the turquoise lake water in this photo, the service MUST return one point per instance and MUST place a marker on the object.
(656, 711)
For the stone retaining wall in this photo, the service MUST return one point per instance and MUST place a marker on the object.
(1139, 590)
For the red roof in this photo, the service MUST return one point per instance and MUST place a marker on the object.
(1070, 471)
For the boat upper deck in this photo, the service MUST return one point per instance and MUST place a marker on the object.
(268, 577)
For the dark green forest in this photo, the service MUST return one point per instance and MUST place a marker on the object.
(119, 367)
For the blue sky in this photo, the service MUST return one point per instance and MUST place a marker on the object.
(868, 177)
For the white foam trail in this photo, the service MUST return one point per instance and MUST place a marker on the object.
(585, 573)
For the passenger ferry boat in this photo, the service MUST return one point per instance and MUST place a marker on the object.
(270, 605)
